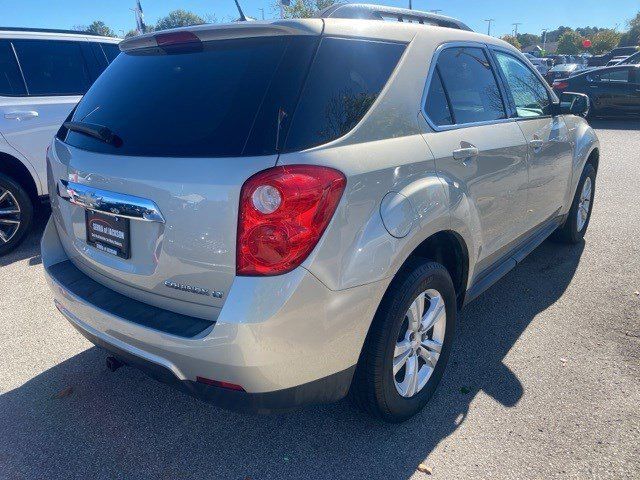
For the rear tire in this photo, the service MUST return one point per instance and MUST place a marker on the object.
(377, 388)
(577, 222)
(16, 214)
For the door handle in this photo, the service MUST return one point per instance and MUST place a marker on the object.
(536, 143)
(465, 153)
(23, 115)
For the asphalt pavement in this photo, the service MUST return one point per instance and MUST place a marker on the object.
(543, 382)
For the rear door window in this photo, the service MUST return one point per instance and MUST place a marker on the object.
(620, 75)
(345, 79)
(53, 67)
(436, 104)
(11, 83)
(471, 85)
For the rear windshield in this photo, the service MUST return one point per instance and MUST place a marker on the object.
(234, 97)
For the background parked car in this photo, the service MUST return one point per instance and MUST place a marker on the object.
(613, 91)
(601, 60)
(563, 70)
(43, 74)
(632, 60)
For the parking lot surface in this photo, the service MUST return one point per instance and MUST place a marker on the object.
(544, 380)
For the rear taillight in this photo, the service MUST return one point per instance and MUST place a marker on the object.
(283, 213)
(560, 85)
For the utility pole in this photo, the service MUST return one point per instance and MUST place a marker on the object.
(262, 12)
(489, 20)
(544, 40)
(410, 5)
(515, 28)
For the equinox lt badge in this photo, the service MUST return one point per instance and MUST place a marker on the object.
(192, 289)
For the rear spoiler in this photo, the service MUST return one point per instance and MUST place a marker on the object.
(210, 32)
(365, 11)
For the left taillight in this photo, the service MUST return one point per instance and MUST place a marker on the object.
(283, 213)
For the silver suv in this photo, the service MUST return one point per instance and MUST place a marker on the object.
(273, 214)
(43, 75)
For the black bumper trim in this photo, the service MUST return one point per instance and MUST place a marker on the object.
(325, 390)
(72, 279)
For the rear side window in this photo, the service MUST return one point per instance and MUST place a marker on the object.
(53, 67)
(470, 84)
(345, 79)
(11, 83)
(530, 96)
(111, 50)
(611, 76)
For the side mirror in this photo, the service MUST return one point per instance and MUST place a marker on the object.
(574, 104)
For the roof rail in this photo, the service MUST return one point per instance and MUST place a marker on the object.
(381, 12)
(48, 30)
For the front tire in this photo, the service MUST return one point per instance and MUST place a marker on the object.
(577, 222)
(16, 214)
(408, 345)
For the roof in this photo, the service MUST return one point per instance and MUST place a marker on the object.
(52, 34)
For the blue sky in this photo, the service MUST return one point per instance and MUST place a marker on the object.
(534, 14)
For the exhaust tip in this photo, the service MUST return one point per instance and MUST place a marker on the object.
(113, 364)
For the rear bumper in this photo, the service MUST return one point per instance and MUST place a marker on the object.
(287, 340)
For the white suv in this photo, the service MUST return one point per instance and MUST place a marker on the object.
(43, 74)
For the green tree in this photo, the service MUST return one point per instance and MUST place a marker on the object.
(303, 8)
(179, 18)
(528, 39)
(513, 40)
(98, 27)
(631, 37)
(131, 33)
(604, 41)
(570, 43)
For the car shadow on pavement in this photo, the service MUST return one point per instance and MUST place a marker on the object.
(30, 247)
(615, 123)
(78, 420)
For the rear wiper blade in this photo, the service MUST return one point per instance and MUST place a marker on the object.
(94, 130)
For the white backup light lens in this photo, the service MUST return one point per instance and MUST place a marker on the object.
(266, 199)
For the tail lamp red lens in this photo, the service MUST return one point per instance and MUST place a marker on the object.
(218, 383)
(559, 85)
(283, 213)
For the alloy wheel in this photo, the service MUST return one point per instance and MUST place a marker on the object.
(419, 343)
(9, 216)
(584, 204)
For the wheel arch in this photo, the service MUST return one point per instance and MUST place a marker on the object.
(448, 248)
(18, 171)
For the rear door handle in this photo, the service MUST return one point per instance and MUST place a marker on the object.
(536, 143)
(465, 153)
(22, 115)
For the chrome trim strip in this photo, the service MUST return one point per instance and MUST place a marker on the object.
(110, 203)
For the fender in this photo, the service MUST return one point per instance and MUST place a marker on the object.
(584, 141)
(12, 152)
(383, 180)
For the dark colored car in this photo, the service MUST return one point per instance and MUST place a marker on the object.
(563, 70)
(632, 60)
(601, 60)
(613, 91)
